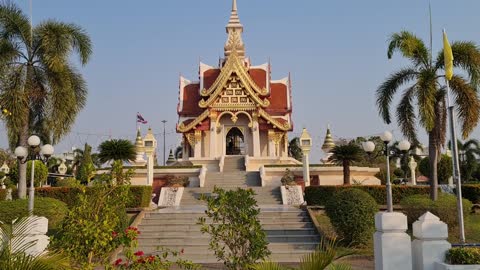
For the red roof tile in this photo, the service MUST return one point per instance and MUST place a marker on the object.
(278, 99)
(191, 97)
(209, 77)
(259, 76)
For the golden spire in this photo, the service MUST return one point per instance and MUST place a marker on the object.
(328, 144)
(234, 30)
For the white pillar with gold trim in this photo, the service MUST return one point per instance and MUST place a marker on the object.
(256, 138)
(271, 143)
(198, 144)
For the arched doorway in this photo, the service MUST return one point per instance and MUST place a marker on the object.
(235, 142)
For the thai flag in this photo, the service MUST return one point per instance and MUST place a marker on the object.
(140, 119)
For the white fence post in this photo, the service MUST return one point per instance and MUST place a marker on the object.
(392, 245)
(431, 244)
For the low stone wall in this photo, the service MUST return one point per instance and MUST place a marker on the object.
(253, 164)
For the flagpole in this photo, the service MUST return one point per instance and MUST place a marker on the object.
(451, 113)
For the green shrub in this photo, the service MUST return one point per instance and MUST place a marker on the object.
(140, 196)
(445, 207)
(352, 213)
(459, 255)
(471, 192)
(67, 182)
(54, 210)
(319, 195)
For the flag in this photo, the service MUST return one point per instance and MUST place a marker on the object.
(140, 119)
(448, 56)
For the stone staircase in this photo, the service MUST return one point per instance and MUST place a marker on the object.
(290, 233)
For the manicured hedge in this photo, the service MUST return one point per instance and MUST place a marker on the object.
(463, 255)
(141, 195)
(54, 210)
(471, 192)
(3, 194)
(319, 195)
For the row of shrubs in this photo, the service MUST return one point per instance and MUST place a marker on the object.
(320, 195)
(140, 195)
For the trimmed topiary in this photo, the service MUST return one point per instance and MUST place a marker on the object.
(471, 192)
(54, 210)
(352, 213)
(445, 207)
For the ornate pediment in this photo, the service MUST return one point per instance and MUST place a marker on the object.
(234, 97)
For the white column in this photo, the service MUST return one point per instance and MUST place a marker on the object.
(213, 139)
(306, 169)
(256, 139)
(150, 163)
(285, 146)
(392, 245)
(198, 144)
(431, 244)
(413, 165)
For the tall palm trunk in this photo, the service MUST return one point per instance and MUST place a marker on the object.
(22, 167)
(433, 155)
(346, 172)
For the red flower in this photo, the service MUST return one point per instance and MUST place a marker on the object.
(114, 234)
(182, 251)
(151, 258)
(139, 253)
(117, 262)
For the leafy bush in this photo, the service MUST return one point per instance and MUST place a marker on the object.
(67, 182)
(459, 255)
(444, 168)
(177, 181)
(319, 195)
(140, 196)
(471, 192)
(54, 210)
(445, 207)
(352, 213)
(236, 235)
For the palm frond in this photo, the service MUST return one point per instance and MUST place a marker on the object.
(269, 266)
(387, 90)
(466, 55)
(426, 98)
(406, 115)
(340, 266)
(116, 149)
(410, 46)
(14, 24)
(467, 104)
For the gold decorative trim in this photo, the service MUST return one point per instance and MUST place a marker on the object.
(198, 136)
(190, 139)
(285, 126)
(182, 128)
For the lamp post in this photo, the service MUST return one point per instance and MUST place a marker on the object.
(306, 146)
(404, 146)
(164, 121)
(23, 156)
(369, 146)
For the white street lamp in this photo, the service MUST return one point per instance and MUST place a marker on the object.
(43, 155)
(368, 147)
(404, 145)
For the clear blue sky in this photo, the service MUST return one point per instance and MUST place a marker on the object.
(335, 51)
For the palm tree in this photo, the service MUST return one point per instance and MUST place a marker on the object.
(38, 84)
(116, 150)
(469, 152)
(344, 155)
(14, 247)
(323, 257)
(424, 95)
(294, 149)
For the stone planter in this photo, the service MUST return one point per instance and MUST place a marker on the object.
(446, 266)
(170, 196)
(292, 195)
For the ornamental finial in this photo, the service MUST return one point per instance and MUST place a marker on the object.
(234, 30)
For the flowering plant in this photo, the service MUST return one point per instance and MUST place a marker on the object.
(134, 260)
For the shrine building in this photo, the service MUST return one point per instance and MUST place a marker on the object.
(235, 109)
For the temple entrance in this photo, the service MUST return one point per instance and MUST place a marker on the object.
(235, 142)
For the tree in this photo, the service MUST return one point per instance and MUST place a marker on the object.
(236, 235)
(39, 86)
(469, 151)
(40, 174)
(116, 149)
(345, 155)
(86, 170)
(424, 95)
(445, 168)
(294, 149)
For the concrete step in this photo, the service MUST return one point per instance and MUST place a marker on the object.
(275, 248)
(205, 239)
(198, 233)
